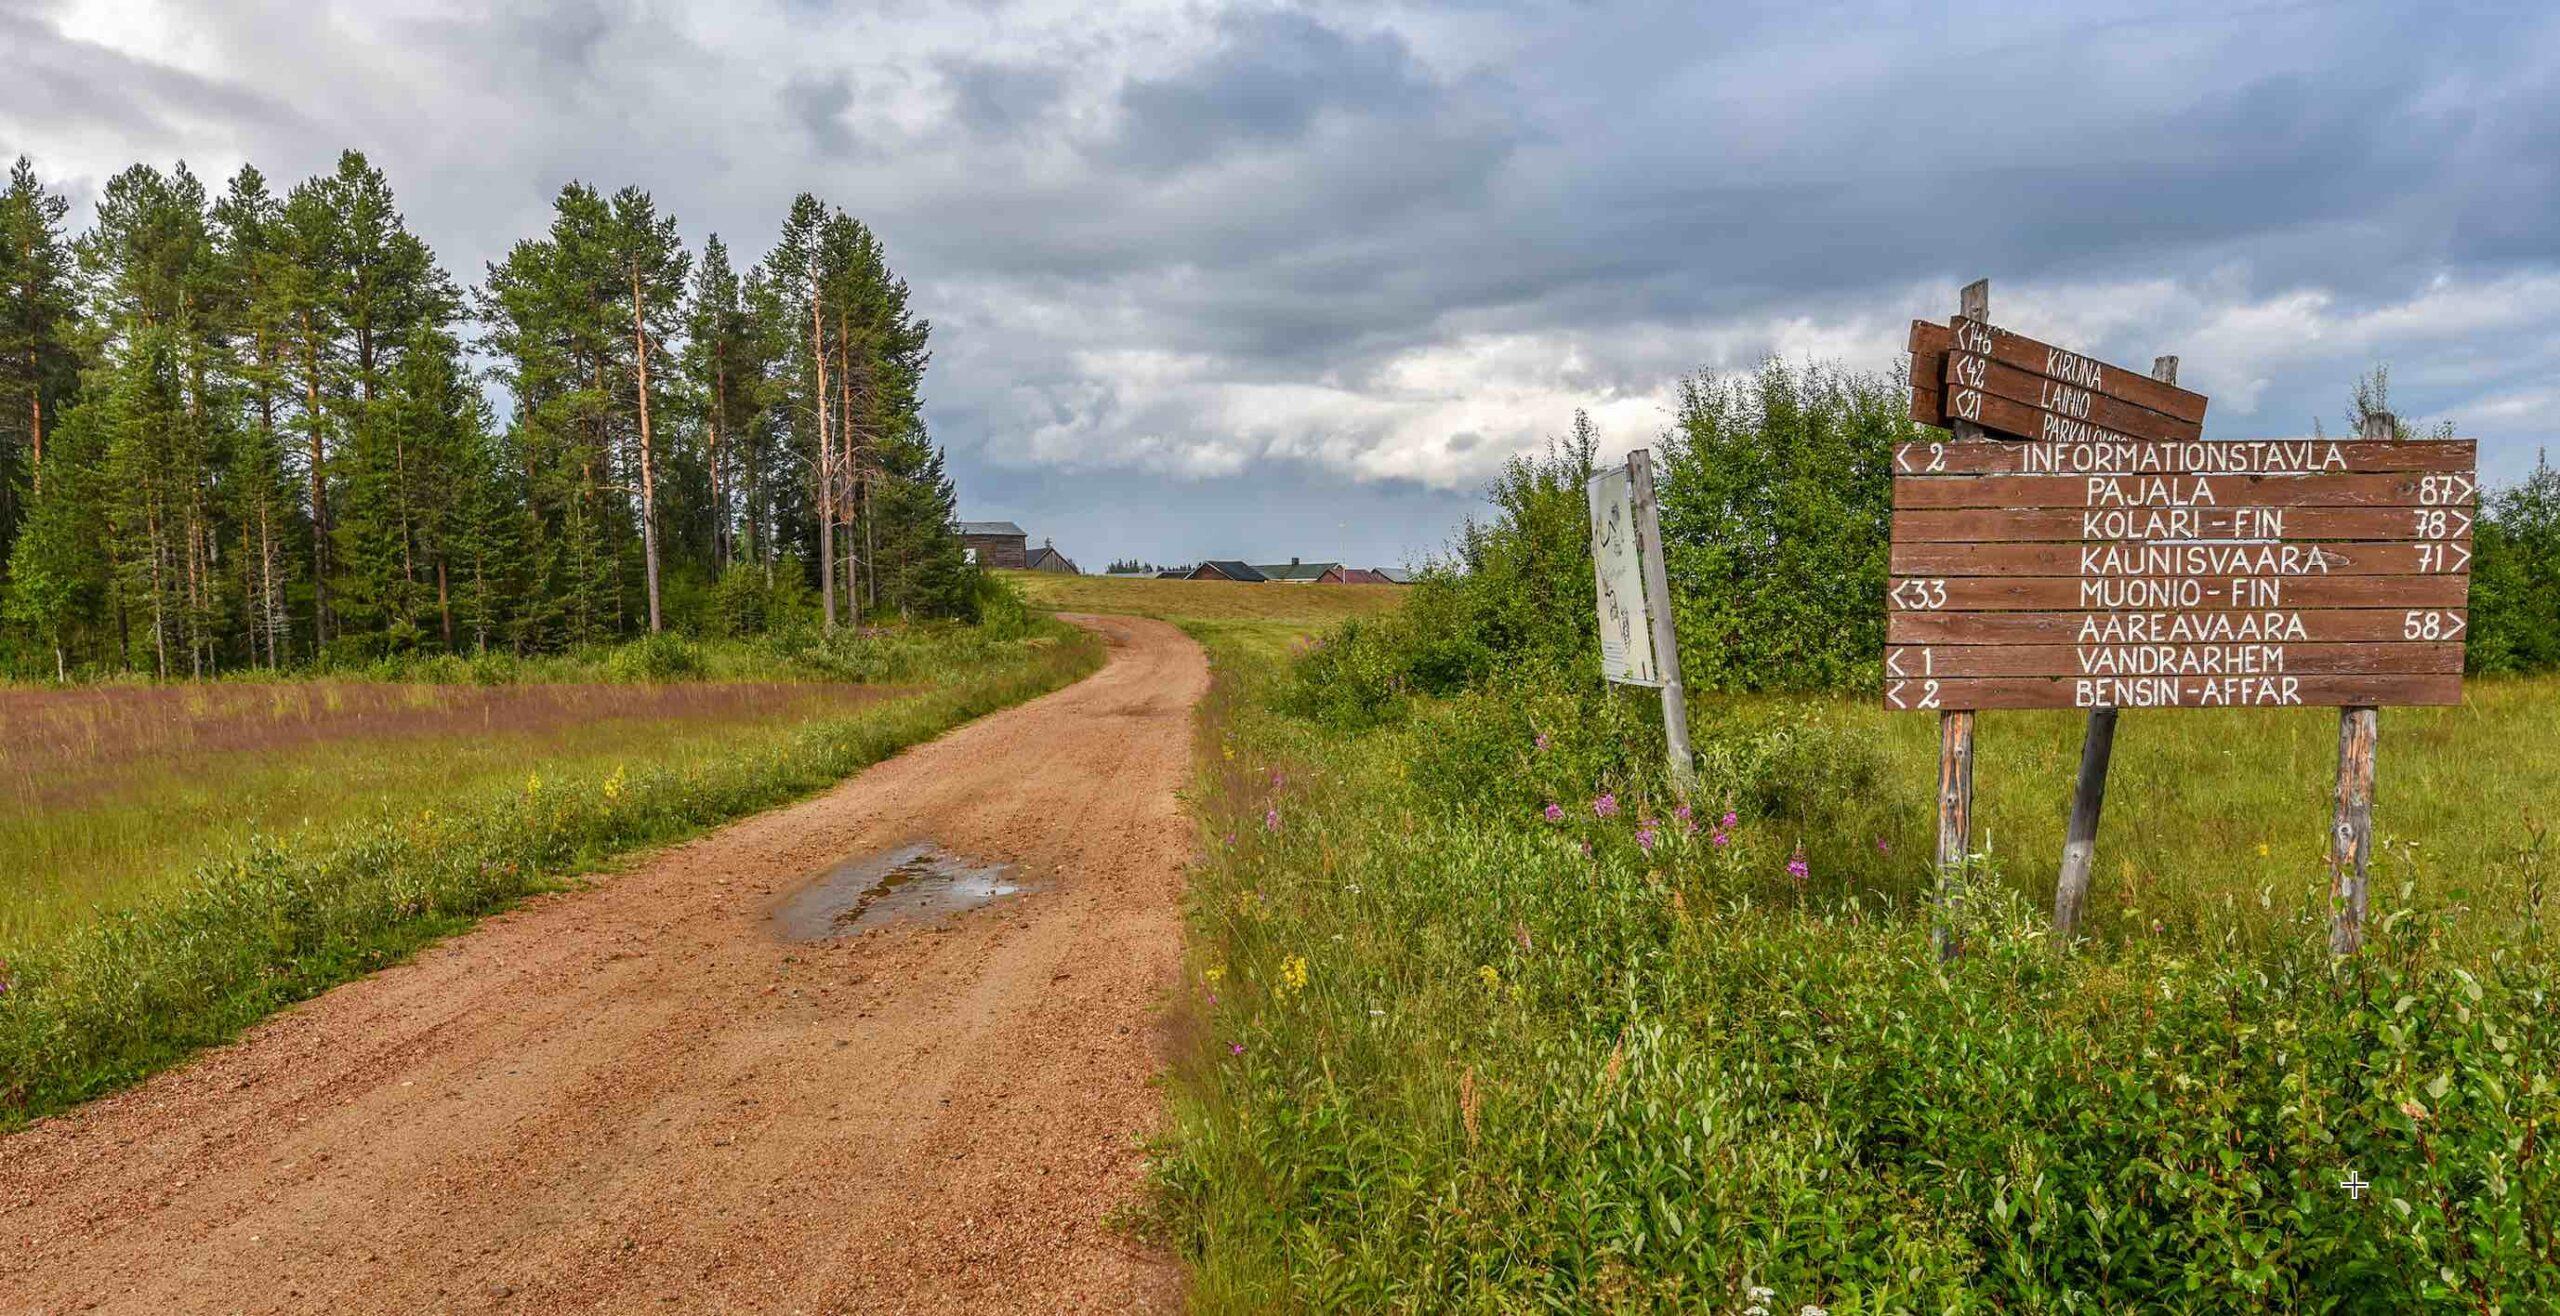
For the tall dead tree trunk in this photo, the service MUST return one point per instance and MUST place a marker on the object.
(719, 502)
(648, 458)
(826, 460)
(35, 418)
(319, 487)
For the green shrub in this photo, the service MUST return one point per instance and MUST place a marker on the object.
(656, 658)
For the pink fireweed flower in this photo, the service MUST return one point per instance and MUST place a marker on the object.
(1645, 837)
(1235, 1048)
(1606, 806)
(1881, 847)
(1554, 813)
(1271, 820)
(1542, 740)
(1797, 868)
(1722, 839)
(1278, 779)
(1729, 821)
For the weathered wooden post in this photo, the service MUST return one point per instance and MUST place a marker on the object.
(1666, 638)
(1955, 725)
(2351, 817)
(2089, 795)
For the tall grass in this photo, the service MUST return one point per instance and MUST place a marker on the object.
(111, 999)
(1453, 1055)
(1303, 606)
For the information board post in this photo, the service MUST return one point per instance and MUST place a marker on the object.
(2351, 819)
(2076, 542)
(1955, 725)
(1639, 644)
(1666, 639)
(2089, 794)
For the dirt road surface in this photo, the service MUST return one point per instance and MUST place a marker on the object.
(639, 1097)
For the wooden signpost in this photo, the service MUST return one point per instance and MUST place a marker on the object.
(1638, 644)
(2076, 543)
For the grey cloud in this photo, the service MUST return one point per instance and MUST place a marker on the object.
(1122, 223)
(1270, 76)
(818, 106)
(994, 97)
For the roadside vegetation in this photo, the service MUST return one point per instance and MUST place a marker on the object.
(1482, 1017)
(1310, 606)
(236, 848)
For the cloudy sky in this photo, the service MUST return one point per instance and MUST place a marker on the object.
(1252, 279)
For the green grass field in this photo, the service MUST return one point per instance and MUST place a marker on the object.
(1311, 607)
(1444, 1054)
(2214, 820)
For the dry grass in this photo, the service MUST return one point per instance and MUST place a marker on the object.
(1304, 606)
(108, 794)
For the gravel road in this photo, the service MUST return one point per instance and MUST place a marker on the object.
(641, 1097)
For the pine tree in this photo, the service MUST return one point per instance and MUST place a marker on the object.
(37, 300)
(796, 271)
(725, 360)
(651, 264)
(302, 300)
(259, 488)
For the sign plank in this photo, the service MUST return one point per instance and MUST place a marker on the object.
(1995, 525)
(2384, 658)
(2253, 558)
(2171, 593)
(2110, 491)
(2304, 625)
(2170, 691)
(2196, 457)
(1626, 630)
(2023, 353)
(2054, 401)
(1929, 344)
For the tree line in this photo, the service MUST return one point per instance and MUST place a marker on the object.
(251, 429)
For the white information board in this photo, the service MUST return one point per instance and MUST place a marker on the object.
(1626, 632)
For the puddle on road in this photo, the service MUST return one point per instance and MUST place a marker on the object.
(915, 882)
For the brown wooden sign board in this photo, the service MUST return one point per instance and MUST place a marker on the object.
(2199, 456)
(2405, 489)
(2034, 406)
(2019, 352)
(1936, 694)
(1930, 344)
(2270, 625)
(2273, 658)
(1993, 525)
(2171, 593)
(2117, 560)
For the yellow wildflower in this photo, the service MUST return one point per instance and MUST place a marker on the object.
(1293, 973)
(1489, 976)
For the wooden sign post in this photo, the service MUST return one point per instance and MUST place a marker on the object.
(1639, 644)
(2084, 547)
(2089, 793)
